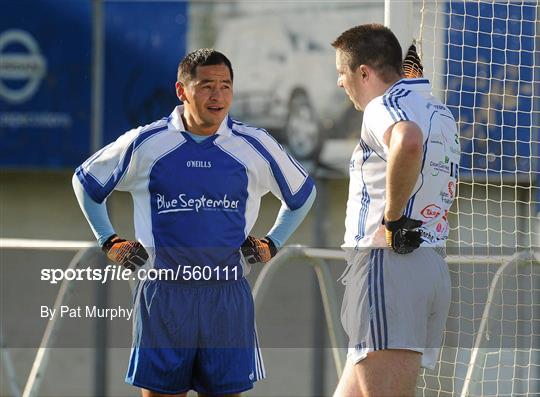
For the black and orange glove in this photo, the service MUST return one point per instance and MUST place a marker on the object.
(258, 250)
(125, 252)
(401, 236)
(412, 65)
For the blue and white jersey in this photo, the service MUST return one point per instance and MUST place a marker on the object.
(195, 203)
(434, 192)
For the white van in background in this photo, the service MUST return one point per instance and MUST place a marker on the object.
(285, 77)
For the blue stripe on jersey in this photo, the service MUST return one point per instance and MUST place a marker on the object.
(396, 98)
(293, 160)
(144, 136)
(371, 299)
(97, 191)
(367, 151)
(380, 255)
(391, 101)
(411, 82)
(391, 96)
(410, 204)
(296, 164)
(293, 200)
(390, 110)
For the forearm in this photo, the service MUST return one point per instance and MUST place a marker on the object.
(403, 168)
(288, 221)
(95, 213)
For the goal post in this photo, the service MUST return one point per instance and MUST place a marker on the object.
(483, 60)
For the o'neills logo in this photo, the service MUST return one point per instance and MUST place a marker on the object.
(199, 164)
(183, 202)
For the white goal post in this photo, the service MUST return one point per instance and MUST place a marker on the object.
(483, 60)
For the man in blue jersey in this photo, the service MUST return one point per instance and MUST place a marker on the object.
(196, 178)
(402, 184)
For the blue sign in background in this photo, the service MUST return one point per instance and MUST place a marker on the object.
(145, 41)
(47, 43)
(49, 127)
(490, 79)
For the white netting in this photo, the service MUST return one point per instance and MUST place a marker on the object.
(483, 60)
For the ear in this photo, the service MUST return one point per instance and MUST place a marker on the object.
(363, 72)
(180, 91)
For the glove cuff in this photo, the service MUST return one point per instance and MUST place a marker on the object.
(109, 243)
(271, 246)
(394, 225)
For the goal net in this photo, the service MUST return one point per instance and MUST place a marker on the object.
(484, 62)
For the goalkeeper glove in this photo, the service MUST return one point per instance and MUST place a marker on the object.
(258, 250)
(125, 252)
(400, 235)
(412, 65)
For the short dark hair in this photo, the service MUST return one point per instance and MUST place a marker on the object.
(374, 45)
(187, 69)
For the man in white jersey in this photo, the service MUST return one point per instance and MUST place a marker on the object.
(402, 184)
(196, 178)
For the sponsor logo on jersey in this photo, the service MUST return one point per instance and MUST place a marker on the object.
(199, 164)
(446, 197)
(183, 202)
(428, 236)
(436, 106)
(439, 167)
(446, 167)
(431, 211)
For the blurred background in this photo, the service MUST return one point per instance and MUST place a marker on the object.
(76, 74)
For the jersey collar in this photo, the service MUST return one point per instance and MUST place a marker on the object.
(176, 123)
(420, 84)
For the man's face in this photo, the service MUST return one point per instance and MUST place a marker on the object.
(207, 97)
(350, 81)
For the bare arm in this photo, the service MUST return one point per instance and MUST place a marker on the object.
(404, 141)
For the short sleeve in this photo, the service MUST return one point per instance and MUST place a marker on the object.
(287, 179)
(102, 172)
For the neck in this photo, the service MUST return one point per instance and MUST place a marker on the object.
(195, 128)
(382, 86)
(386, 85)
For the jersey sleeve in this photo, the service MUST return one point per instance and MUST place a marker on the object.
(285, 177)
(108, 168)
(382, 113)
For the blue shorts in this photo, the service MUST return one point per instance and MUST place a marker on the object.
(199, 338)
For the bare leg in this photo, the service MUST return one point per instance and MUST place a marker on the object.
(348, 384)
(391, 373)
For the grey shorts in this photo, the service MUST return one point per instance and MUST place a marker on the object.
(396, 301)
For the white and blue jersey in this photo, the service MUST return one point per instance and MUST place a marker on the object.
(195, 203)
(434, 192)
